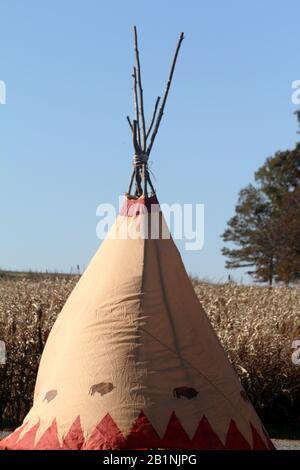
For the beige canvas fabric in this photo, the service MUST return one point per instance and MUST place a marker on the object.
(133, 338)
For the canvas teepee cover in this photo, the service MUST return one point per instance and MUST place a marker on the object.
(132, 361)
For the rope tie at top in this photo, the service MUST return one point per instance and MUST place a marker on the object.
(142, 149)
(140, 159)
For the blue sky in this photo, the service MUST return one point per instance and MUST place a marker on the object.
(65, 145)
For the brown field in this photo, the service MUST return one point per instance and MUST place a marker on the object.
(256, 326)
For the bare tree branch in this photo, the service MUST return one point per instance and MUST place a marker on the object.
(129, 122)
(136, 106)
(153, 117)
(161, 111)
(139, 80)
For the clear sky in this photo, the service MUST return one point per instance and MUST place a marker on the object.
(65, 145)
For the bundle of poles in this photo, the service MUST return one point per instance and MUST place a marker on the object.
(143, 139)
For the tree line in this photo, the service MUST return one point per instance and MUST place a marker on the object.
(264, 233)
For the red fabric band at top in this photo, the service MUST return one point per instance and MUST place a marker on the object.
(141, 205)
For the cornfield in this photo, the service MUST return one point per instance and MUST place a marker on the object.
(256, 325)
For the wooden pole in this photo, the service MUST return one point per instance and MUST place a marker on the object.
(153, 117)
(136, 106)
(129, 122)
(139, 80)
(161, 111)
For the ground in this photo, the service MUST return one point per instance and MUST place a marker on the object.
(282, 444)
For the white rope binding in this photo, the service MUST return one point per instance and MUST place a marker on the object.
(140, 159)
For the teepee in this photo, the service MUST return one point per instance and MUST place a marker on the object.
(132, 361)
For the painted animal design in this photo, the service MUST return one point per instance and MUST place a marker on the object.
(50, 395)
(102, 388)
(187, 392)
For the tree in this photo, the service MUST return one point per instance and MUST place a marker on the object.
(266, 226)
(279, 175)
(249, 229)
(288, 239)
